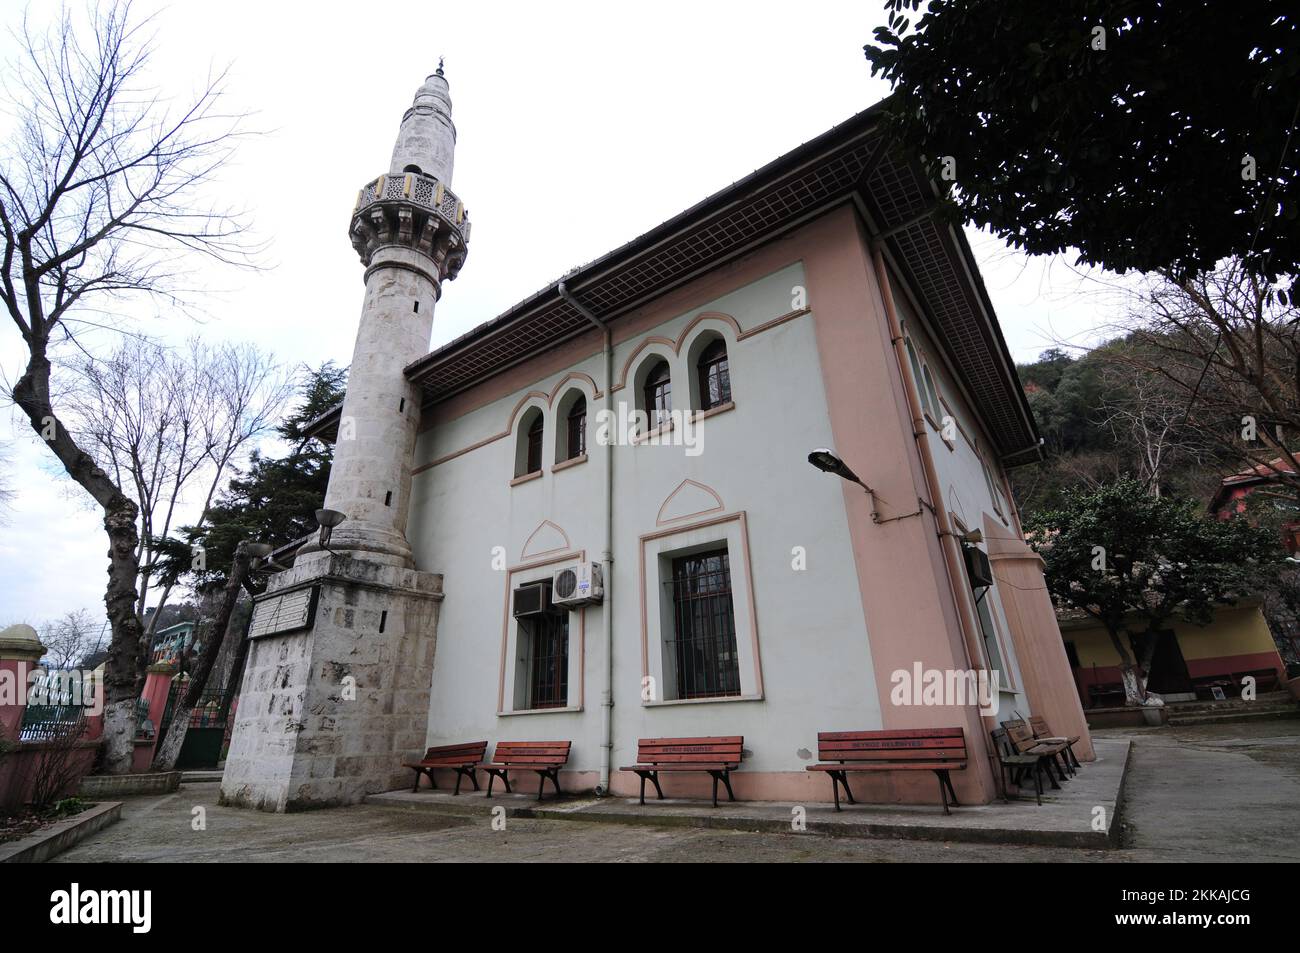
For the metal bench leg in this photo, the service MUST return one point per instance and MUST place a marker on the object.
(641, 775)
(654, 779)
(460, 776)
(416, 786)
(541, 784)
(835, 786)
(492, 776)
(726, 781)
(844, 779)
(714, 775)
(1050, 774)
(946, 779)
(505, 779)
(555, 781)
(473, 776)
(1038, 783)
(943, 792)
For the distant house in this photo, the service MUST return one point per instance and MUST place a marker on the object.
(1230, 498)
(1189, 659)
(172, 643)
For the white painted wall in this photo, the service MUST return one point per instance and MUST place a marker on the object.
(812, 639)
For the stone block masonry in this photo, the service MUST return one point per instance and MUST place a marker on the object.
(327, 715)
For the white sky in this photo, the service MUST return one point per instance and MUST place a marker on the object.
(579, 127)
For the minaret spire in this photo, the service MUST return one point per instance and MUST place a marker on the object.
(426, 141)
(411, 232)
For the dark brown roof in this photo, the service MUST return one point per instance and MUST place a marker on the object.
(852, 162)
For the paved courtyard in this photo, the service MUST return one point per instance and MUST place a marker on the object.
(1212, 792)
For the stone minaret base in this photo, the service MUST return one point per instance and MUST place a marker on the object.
(327, 714)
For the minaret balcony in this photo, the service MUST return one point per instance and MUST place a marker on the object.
(415, 210)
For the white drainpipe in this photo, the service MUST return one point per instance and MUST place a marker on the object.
(607, 556)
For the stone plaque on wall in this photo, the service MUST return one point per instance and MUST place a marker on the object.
(284, 612)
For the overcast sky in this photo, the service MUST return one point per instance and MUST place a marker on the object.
(579, 127)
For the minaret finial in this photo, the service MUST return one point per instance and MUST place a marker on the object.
(440, 66)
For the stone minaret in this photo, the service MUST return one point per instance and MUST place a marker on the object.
(335, 694)
(411, 232)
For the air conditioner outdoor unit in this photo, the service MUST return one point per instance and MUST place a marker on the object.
(577, 585)
(533, 598)
(977, 565)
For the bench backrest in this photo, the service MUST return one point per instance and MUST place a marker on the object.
(908, 744)
(1002, 744)
(706, 750)
(526, 753)
(1039, 725)
(470, 752)
(1021, 735)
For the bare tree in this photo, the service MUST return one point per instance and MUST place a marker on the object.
(1227, 347)
(101, 188)
(68, 638)
(1148, 417)
(168, 424)
(7, 493)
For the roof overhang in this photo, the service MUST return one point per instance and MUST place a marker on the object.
(854, 162)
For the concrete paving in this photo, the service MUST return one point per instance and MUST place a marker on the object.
(1223, 792)
(1080, 814)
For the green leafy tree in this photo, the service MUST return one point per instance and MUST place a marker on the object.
(273, 501)
(1134, 561)
(1147, 134)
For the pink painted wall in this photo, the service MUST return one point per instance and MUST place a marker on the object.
(872, 428)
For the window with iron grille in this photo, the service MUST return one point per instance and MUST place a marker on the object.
(658, 392)
(535, 445)
(544, 645)
(702, 649)
(577, 434)
(715, 376)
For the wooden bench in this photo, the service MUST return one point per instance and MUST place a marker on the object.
(1105, 690)
(1204, 685)
(544, 757)
(912, 749)
(1265, 679)
(462, 759)
(1014, 765)
(715, 756)
(1043, 732)
(1022, 738)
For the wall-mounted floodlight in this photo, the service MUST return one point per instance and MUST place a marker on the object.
(259, 554)
(328, 519)
(826, 461)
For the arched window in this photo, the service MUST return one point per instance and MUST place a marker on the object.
(528, 443)
(534, 463)
(714, 375)
(658, 393)
(576, 429)
(931, 393)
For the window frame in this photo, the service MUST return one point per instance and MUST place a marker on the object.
(579, 429)
(657, 550)
(714, 357)
(655, 387)
(535, 437)
(704, 623)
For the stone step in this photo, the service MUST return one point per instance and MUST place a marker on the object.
(1269, 699)
(1271, 713)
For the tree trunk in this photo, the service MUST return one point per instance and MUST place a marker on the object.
(170, 748)
(122, 679)
(1134, 690)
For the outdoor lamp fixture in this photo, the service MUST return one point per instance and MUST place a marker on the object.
(826, 461)
(328, 519)
(260, 555)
